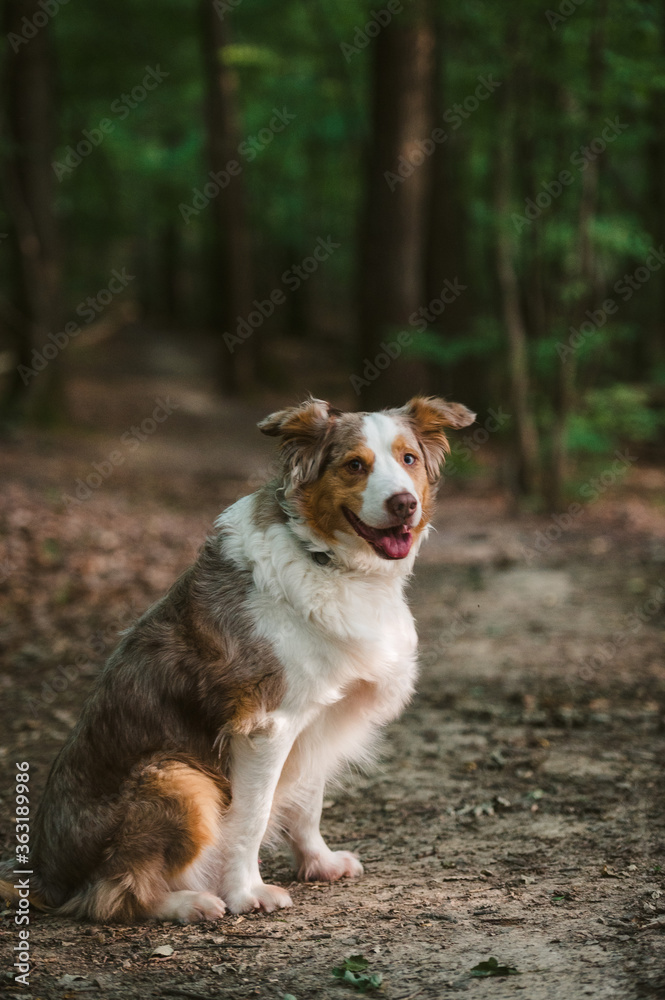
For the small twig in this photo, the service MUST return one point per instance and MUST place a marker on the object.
(237, 944)
(197, 947)
(261, 934)
(176, 991)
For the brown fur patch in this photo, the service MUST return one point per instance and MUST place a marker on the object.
(321, 502)
(305, 431)
(428, 416)
(200, 798)
(170, 816)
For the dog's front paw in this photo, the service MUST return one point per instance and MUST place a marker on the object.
(257, 897)
(330, 866)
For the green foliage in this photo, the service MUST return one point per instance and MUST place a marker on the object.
(492, 968)
(353, 973)
(453, 348)
(611, 416)
(120, 205)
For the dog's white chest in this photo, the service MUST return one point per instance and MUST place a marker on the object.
(339, 631)
(328, 627)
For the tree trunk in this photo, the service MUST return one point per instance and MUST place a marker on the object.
(392, 284)
(527, 478)
(28, 181)
(446, 257)
(654, 352)
(237, 370)
(583, 272)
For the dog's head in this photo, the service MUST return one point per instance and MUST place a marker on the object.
(365, 481)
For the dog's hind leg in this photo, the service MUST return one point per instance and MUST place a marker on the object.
(188, 906)
(159, 858)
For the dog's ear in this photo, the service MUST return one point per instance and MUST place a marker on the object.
(428, 415)
(305, 430)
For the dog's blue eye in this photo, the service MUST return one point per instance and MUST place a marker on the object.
(410, 459)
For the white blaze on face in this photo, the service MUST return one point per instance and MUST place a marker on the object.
(388, 476)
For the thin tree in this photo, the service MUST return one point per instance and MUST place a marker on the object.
(447, 222)
(393, 238)
(583, 276)
(237, 369)
(28, 121)
(527, 478)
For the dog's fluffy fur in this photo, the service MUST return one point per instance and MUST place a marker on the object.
(269, 664)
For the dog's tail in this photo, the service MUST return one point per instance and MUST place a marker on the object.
(14, 883)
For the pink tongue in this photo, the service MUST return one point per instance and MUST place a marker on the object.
(395, 546)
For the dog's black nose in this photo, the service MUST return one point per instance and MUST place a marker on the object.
(402, 505)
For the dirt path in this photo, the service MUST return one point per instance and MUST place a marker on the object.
(518, 812)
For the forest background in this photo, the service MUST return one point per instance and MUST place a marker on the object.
(463, 198)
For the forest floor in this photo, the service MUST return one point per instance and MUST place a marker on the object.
(518, 812)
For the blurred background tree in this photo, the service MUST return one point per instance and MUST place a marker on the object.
(431, 196)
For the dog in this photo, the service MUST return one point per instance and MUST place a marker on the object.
(270, 664)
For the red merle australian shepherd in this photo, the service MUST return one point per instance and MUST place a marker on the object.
(271, 663)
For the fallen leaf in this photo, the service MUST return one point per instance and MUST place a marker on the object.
(352, 972)
(492, 968)
(162, 951)
(75, 982)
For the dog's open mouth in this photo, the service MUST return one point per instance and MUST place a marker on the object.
(389, 543)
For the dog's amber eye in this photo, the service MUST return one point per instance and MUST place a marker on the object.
(410, 458)
(355, 465)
